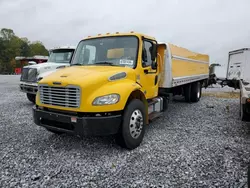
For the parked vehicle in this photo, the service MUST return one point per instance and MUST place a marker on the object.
(116, 84)
(30, 61)
(238, 77)
(37, 59)
(31, 74)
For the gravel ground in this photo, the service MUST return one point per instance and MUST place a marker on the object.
(192, 145)
(218, 88)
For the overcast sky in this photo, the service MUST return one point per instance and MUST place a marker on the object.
(213, 27)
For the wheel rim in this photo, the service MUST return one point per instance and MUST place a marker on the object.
(136, 124)
(198, 93)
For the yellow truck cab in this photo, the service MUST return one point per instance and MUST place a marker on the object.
(116, 84)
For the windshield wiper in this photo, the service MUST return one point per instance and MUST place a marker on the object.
(96, 63)
(79, 64)
(104, 63)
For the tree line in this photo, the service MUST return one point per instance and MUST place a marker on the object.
(12, 46)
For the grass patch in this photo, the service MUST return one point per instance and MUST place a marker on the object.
(227, 95)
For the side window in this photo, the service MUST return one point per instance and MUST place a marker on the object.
(147, 47)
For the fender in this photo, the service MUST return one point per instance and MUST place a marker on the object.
(122, 87)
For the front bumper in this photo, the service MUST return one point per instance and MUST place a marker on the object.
(82, 126)
(28, 87)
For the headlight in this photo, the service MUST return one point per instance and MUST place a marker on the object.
(106, 99)
(248, 100)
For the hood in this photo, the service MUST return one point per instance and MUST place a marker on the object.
(42, 75)
(47, 65)
(85, 75)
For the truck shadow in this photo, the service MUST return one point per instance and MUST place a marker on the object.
(177, 99)
(78, 144)
(86, 144)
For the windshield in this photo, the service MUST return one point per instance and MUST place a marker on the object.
(115, 51)
(60, 56)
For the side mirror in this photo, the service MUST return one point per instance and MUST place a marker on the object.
(86, 55)
(154, 65)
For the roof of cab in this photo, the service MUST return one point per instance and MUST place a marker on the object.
(132, 33)
(63, 47)
(238, 50)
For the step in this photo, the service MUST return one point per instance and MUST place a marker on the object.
(151, 102)
(154, 115)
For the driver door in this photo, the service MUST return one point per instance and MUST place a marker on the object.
(149, 77)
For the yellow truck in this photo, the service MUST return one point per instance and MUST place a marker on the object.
(116, 84)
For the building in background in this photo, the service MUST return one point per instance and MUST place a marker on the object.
(37, 59)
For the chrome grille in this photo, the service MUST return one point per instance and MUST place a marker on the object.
(24, 75)
(29, 74)
(60, 96)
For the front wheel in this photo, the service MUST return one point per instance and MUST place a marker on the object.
(133, 125)
(31, 97)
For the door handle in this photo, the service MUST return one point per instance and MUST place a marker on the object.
(146, 71)
(156, 79)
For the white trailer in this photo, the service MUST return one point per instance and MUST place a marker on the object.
(238, 77)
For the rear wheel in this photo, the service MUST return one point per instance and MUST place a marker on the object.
(243, 115)
(187, 92)
(31, 97)
(240, 105)
(195, 91)
(133, 125)
(165, 103)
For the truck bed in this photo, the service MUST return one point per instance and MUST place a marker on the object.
(239, 65)
(183, 66)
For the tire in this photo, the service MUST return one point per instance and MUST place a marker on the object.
(187, 92)
(240, 107)
(200, 90)
(243, 115)
(165, 103)
(53, 131)
(31, 97)
(195, 91)
(128, 138)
